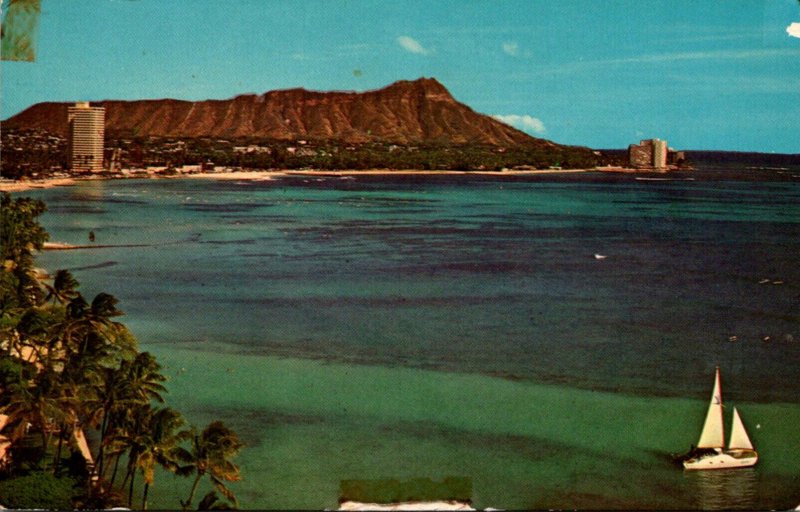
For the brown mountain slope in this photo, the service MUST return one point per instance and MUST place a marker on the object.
(406, 112)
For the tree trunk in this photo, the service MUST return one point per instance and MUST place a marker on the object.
(127, 474)
(103, 428)
(144, 496)
(130, 490)
(188, 504)
(133, 454)
(116, 465)
(45, 443)
(57, 460)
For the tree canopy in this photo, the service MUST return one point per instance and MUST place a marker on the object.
(67, 366)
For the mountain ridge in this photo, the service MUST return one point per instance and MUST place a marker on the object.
(404, 112)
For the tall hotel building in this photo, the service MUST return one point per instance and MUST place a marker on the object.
(648, 154)
(86, 136)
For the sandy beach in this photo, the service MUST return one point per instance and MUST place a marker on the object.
(23, 185)
(231, 175)
(438, 172)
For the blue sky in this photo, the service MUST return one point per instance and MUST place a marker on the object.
(702, 74)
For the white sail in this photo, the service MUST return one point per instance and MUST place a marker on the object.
(713, 435)
(739, 438)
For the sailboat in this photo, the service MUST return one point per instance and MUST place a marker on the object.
(711, 452)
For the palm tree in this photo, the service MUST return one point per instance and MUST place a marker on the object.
(152, 439)
(209, 453)
(119, 393)
(164, 438)
(68, 422)
(144, 378)
(122, 427)
(20, 235)
(16, 399)
(137, 438)
(37, 402)
(28, 338)
(64, 288)
(88, 328)
(104, 307)
(67, 334)
(86, 340)
(110, 392)
(212, 502)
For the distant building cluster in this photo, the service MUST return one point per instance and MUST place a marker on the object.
(654, 154)
(86, 136)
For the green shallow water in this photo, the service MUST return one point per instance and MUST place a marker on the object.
(310, 424)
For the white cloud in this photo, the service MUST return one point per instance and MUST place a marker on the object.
(511, 48)
(793, 29)
(412, 45)
(525, 122)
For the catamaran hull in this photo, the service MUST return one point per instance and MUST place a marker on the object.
(725, 460)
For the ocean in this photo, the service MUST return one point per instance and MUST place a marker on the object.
(553, 338)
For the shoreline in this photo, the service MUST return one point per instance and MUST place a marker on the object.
(12, 186)
(23, 185)
(265, 175)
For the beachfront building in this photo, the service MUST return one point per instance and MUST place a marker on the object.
(648, 154)
(675, 158)
(86, 136)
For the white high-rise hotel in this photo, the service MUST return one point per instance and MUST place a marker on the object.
(86, 136)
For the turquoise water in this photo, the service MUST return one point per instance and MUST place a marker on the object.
(309, 424)
(399, 328)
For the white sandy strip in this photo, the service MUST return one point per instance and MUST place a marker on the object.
(61, 246)
(409, 505)
(232, 175)
(268, 175)
(57, 246)
(20, 186)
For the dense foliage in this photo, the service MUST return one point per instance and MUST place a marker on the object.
(334, 155)
(37, 154)
(38, 490)
(69, 368)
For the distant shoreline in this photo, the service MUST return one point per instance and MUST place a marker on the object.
(35, 184)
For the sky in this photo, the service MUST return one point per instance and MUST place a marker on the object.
(701, 74)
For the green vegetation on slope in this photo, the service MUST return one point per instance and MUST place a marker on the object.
(34, 153)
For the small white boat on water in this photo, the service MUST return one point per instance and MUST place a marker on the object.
(711, 452)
